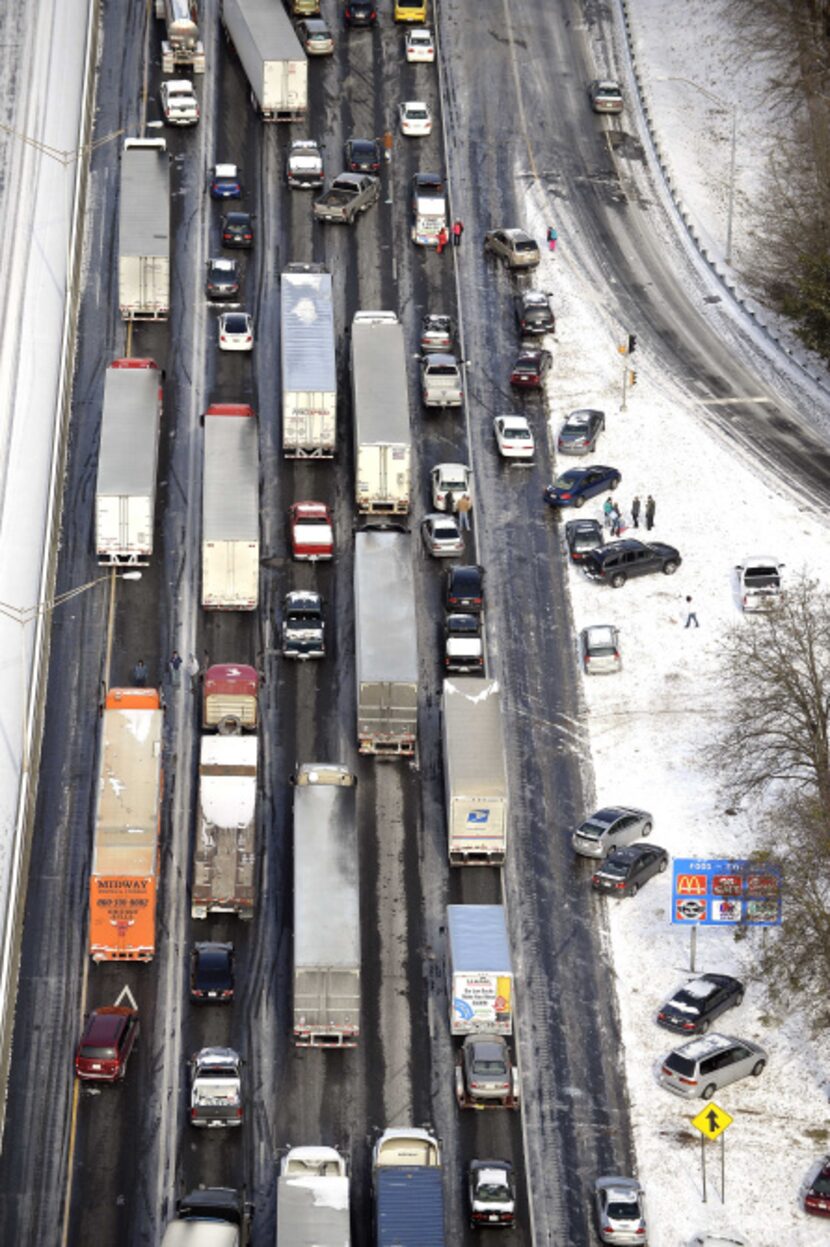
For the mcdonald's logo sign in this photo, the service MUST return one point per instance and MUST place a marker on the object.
(691, 885)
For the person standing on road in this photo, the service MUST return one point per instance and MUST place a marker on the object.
(443, 238)
(175, 667)
(463, 504)
(691, 613)
(651, 507)
(457, 231)
(608, 510)
(552, 237)
(193, 671)
(635, 511)
(139, 674)
(616, 520)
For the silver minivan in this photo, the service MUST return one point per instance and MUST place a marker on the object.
(703, 1066)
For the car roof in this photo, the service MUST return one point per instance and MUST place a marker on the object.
(310, 508)
(601, 83)
(522, 421)
(585, 525)
(516, 234)
(105, 1025)
(616, 1182)
(486, 1043)
(308, 144)
(582, 413)
(603, 633)
(626, 854)
(225, 171)
(447, 469)
(705, 1045)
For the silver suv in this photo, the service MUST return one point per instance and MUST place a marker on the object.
(513, 247)
(703, 1066)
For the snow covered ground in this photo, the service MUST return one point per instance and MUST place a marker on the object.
(647, 725)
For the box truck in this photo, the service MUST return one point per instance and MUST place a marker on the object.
(225, 849)
(274, 62)
(230, 509)
(475, 773)
(313, 1199)
(182, 45)
(144, 231)
(326, 908)
(479, 970)
(230, 698)
(125, 854)
(125, 491)
(408, 1188)
(309, 367)
(380, 413)
(386, 644)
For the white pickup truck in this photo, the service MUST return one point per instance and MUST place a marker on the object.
(759, 582)
(216, 1088)
(441, 384)
(179, 103)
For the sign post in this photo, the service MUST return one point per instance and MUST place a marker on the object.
(713, 1122)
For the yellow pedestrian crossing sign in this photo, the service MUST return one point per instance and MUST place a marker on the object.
(712, 1120)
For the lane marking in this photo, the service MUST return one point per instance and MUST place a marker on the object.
(73, 1119)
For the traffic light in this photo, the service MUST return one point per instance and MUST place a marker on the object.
(632, 343)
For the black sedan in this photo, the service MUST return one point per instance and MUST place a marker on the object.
(465, 588)
(362, 155)
(211, 973)
(531, 368)
(237, 230)
(624, 871)
(699, 1002)
(582, 536)
(222, 279)
(534, 314)
(574, 487)
(580, 432)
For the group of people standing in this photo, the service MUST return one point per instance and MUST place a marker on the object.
(456, 230)
(614, 517)
(140, 673)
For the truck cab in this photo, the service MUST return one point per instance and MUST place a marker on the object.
(230, 701)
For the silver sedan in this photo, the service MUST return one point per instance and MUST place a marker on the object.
(442, 537)
(619, 1204)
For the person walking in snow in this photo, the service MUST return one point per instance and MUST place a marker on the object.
(552, 237)
(462, 505)
(193, 671)
(635, 511)
(616, 520)
(691, 613)
(607, 510)
(457, 231)
(443, 238)
(174, 665)
(651, 507)
(139, 674)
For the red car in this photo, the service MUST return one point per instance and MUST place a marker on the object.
(108, 1038)
(312, 537)
(817, 1197)
(531, 368)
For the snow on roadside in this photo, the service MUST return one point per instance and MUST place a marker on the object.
(647, 728)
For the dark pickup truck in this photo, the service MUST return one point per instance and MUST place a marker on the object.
(349, 194)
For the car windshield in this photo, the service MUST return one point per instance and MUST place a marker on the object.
(568, 480)
(492, 1192)
(417, 114)
(493, 1067)
(98, 1054)
(445, 532)
(236, 322)
(586, 540)
(821, 1186)
(442, 370)
(527, 244)
(212, 970)
(761, 577)
(516, 430)
(615, 868)
(680, 1064)
(619, 1211)
(576, 424)
(463, 623)
(591, 831)
(611, 93)
(452, 482)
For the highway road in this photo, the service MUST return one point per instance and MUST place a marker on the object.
(106, 1166)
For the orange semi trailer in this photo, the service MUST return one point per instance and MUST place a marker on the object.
(125, 858)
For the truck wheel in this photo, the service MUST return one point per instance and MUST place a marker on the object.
(230, 725)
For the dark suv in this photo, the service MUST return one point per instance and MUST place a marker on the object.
(108, 1038)
(360, 13)
(620, 560)
(465, 588)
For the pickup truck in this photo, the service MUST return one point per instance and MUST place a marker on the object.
(304, 166)
(349, 194)
(440, 381)
(179, 103)
(216, 1088)
(303, 628)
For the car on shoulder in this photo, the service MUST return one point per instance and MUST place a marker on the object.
(211, 973)
(415, 119)
(624, 871)
(107, 1039)
(360, 13)
(465, 588)
(236, 331)
(605, 95)
(581, 536)
(441, 536)
(697, 1003)
(437, 332)
(312, 536)
(225, 182)
(817, 1194)
(514, 437)
(237, 230)
(620, 1210)
(619, 561)
(491, 1193)
(463, 644)
(419, 46)
(574, 487)
(304, 165)
(599, 650)
(708, 1063)
(612, 827)
(222, 279)
(580, 432)
(514, 247)
(448, 479)
(315, 36)
(534, 314)
(361, 155)
(760, 582)
(530, 368)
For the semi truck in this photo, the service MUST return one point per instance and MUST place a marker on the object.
(212, 1216)
(475, 775)
(273, 59)
(225, 850)
(125, 491)
(181, 26)
(313, 1199)
(309, 367)
(386, 644)
(408, 1188)
(380, 412)
(326, 908)
(230, 698)
(125, 854)
(479, 970)
(230, 509)
(144, 231)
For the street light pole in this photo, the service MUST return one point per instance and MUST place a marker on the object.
(733, 108)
